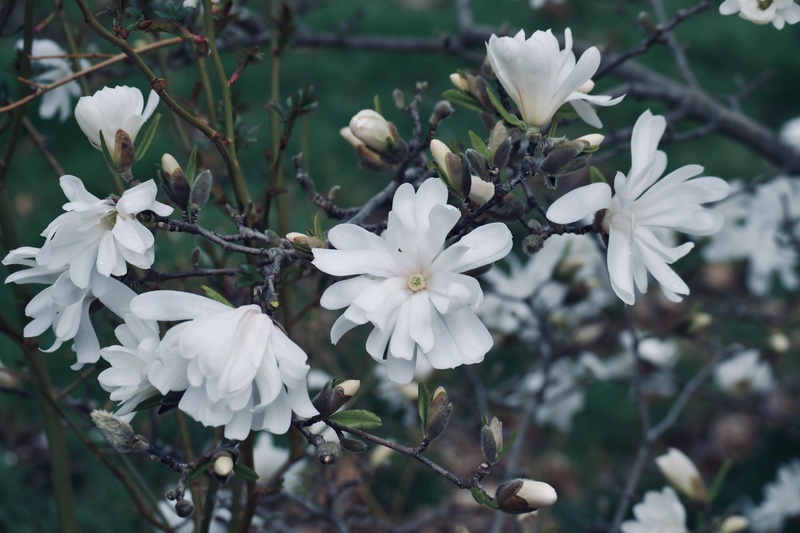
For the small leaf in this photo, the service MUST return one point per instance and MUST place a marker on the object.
(191, 168)
(357, 419)
(244, 472)
(508, 117)
(461, 99)
(377, 104)
(214, 295)
(596, 176)
(198, 470)
(107, 154)
(423, 403)
(508, 445)
(719, 479)
(479, 145)
(482, 498)
(152, 401)
(146, 135)
(318, 233)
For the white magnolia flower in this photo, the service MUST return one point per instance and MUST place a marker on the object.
(100, 235)
(372, 129)
(130, 362)
(64, 306)
(563, 395)
(790, 133)
(682, 474)
(641, 203)
(781, 500)
(744, 373)
(759, 226)
(109, 110)
(540, 77)
(236, 367)
(660, 512)
(410, 287)
(778, 12)
(57, 102)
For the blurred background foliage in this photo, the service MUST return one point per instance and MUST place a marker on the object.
(727, 54)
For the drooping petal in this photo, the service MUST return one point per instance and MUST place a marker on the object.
(579, 203)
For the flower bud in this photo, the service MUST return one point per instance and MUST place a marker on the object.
(124, 152)
(184, 508)
(304, 242)
(592, 141)
(492, 440)
(334, 395)
(374, 131)
(498, 136)
(734, 524)
(682, 474)
(176, 186)
(449, 164)
(438, 414)
(399, 98)
(441, 111)
(368, 158)
(222, 466)
(480, 191)
(201, 190)
(329, 452)
(524, 496)
(532, 243)
(779, 342)
(119, 433)
(459, 81)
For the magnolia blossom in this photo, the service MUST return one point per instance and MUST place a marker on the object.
(109, 110)
(790, 133)
(660, 512)
(540, 77)
(563, 395)
(640, 204)
(778, 12)
(759, 226)
(781, 500)
(64, 306)
(372, 129)
(409, 286)
(236, 367)
(100, 235)
(682, 474)
(130, 362)
(57, 102)
(744, 373)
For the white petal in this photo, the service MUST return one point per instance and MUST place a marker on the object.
(170, 306)
(580, 203)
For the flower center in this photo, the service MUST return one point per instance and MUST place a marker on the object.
(416, 282)
(112, 217)
(764, 4)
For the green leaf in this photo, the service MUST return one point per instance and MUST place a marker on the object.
(146, 135)
(214, 295)
(152, 401)
(479, 145)
(198, 470)
(249, 276)
(107, 154)
(357, 419)
(191, 168)
(507, 446)
(318, 233)
(596, 176)
(462, 99)
(482, 498)
(423, 404)
(508, 117)
(244, 472)
(719, 479)
(377, 104)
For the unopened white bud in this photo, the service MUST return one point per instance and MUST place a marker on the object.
(459, 81)
(682, 474)
(169, 164)
(348, 136)
(349, 387)
(373, 130)
(779, 342)
(593, 140)
(524, 496)
(223, 465)
(480, 191)
(734, 524)
(439, 150)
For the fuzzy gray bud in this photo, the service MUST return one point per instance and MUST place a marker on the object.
(201, 190)
(441, 111)
(124, 152)
(329, 452)
(438, 414)
(532, 243)
(184, 508)
(174, 181)
(119, 433)
(492, 440)
(334, 395)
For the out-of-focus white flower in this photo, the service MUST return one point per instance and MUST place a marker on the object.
(563, 395)
(540, 77)
(778, 12)
(781, 500)
(660, 512)
(64, 306)
(682, 474)
(100, 235)
(744, 374)
(372, 129)
(538, 4)
(758, 226)
(790, 133)
(109, 110)
(57, 102)
(130, 362)
(410, 287)
(640, 203)
(236, 367)
(734, 524)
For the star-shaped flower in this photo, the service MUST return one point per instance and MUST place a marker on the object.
(409, 286)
